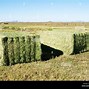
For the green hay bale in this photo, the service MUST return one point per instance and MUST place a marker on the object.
(4, 51)
(75, 44)
(1, 51)
(32, 48)
(11, 50)
(87, 40)
(28, 48)
(37, 48)
(22, 49)
(84, 42)
(16, 50)
(79, 43)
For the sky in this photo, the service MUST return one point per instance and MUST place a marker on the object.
(44, 10)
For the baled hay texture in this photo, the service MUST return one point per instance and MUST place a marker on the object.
(16, 50)
(22, 49)
(79, 43)
(4, 59)
(38, 48)
(32, 48)
(87, 40)
(11, 50)
(28, 48)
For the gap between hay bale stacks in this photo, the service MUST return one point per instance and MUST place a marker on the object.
(68, 42)
(59, 40)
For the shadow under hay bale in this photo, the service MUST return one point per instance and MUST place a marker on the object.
(49, 52)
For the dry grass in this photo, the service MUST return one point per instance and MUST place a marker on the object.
(74, 67)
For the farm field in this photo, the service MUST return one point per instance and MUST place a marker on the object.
(64, 67)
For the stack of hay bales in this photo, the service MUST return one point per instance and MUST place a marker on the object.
(21, 49)
(80, 44)
(67, 41)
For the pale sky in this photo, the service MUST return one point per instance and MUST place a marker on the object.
(44, 10)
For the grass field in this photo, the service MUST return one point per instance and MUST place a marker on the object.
(72, 67)
(64, 68)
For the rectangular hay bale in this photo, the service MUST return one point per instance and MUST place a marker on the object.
(32, 48)
(37, 48)
(16, 50)
(87, 40)
(22, 49)
(28, 48)
(4, 51)
(79, 43)
(11, 50)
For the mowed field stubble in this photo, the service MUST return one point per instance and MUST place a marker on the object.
(62, 67)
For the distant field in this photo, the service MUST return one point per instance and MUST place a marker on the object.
(51, 24)
(46, 24)
(72, 67)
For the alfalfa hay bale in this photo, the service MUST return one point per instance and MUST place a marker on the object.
(87, 40)
(80, 43)
(16, 50)
(22, 49)
(28, 48)
(11, 50)
(37, 48)
(4, 59)
(32, 48)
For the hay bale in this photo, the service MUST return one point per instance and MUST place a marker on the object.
(37, 48)
(16, 50)
(32, 48)
(28, 48)
(87, 40)
(4, 59)
(22, 49)
(79, 43)
(11, 50)
(1, 51)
